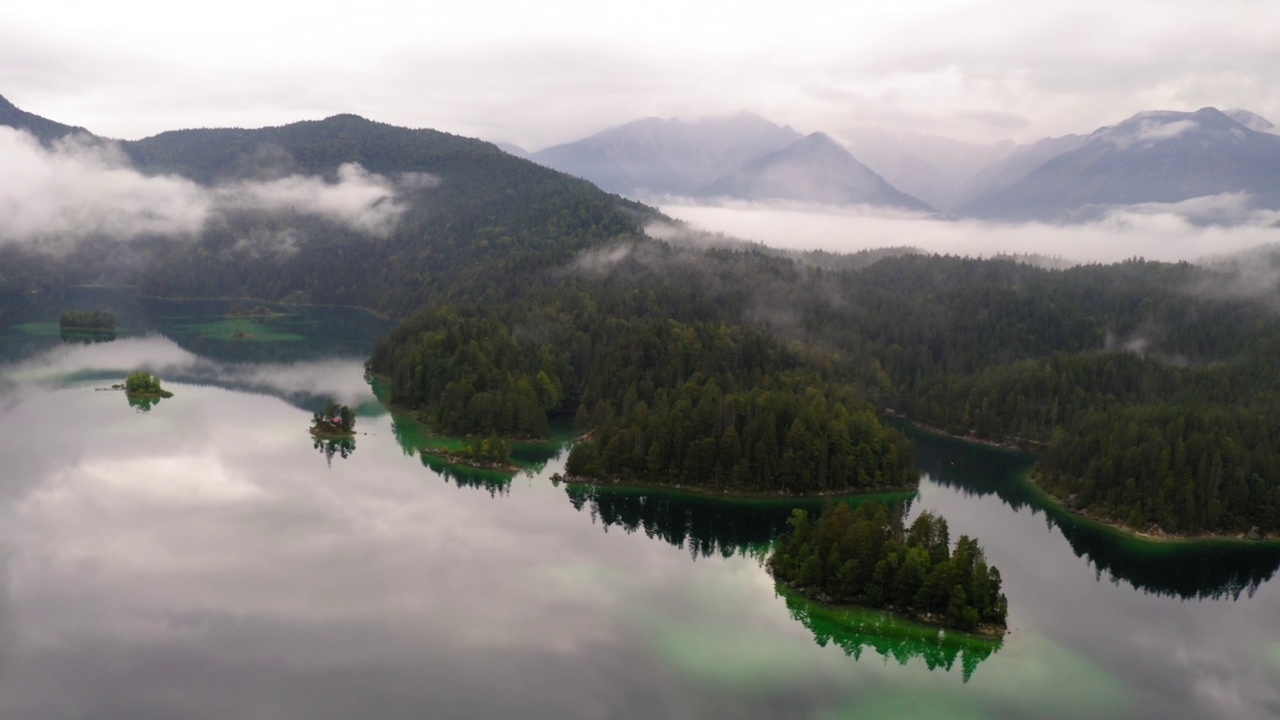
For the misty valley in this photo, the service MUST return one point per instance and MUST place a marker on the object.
(416, 427)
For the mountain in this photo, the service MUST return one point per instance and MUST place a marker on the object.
(460, 209)
(1253, 121)
(1017, 164)
(1152, 157)
(656, 156)
(512, 149)
(938, 170)
(816, 169)
(44, 129)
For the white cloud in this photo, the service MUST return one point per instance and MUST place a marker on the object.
(83, 187)
(1152, 231)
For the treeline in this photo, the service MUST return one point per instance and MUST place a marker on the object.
(865, 557)
(782, 433)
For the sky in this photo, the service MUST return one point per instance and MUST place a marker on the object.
(537, 74)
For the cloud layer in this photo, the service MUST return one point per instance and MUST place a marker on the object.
(552, 72)
(1169, 232)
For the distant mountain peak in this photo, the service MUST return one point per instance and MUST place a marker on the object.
(814, 168)
(656, 156)
(1161, 157)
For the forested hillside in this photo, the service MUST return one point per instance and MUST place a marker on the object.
(480, 218)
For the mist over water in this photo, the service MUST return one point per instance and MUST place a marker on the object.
(1140, 231)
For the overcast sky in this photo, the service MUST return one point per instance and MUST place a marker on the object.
(537, 74)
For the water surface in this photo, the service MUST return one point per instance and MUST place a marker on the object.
(204, 559)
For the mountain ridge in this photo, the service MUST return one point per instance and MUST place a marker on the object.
(814, 168)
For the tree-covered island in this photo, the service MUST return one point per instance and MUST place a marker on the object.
(334, 421)
(865, 557)
(87, 320)
(142, 384)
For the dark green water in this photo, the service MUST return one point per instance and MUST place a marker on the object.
(207, 559)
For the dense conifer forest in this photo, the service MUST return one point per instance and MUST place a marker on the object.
(866, 557)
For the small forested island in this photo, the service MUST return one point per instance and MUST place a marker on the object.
(87, 320)
(142, 384)
(334, 421)
(865, 557)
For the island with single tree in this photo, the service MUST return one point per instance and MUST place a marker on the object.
(335, 421)
(866, 557)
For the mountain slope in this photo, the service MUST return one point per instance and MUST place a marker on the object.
(1017, 164)
(458, 210)
(657, 156)
(44, 129)
(812, 169)
(1153, 157)
(937, 170)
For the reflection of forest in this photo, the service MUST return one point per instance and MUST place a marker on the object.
(86, 337)
(1188, 570)
(143, 403)
(330, 446)
(704, 525)
(495, 481)
(855, 630)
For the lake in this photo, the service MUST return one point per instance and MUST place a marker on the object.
(206, 558)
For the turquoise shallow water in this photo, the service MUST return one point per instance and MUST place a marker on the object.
(206, 559)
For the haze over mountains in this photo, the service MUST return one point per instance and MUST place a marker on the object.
(1163, 157)
(655, 156)
(814, 168)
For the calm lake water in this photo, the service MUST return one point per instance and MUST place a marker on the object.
(205, 559)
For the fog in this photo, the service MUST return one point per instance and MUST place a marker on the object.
(83, 187)
(1190, 231)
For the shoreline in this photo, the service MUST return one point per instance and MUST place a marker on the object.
(1028, 479)
(987, 632)
(1130, 531)
(729, 493)
(456, 459)
(1010, 442)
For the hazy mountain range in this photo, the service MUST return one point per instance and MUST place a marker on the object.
(654, 156)
(1227, 162)
(1162, 157)
(814, 168)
